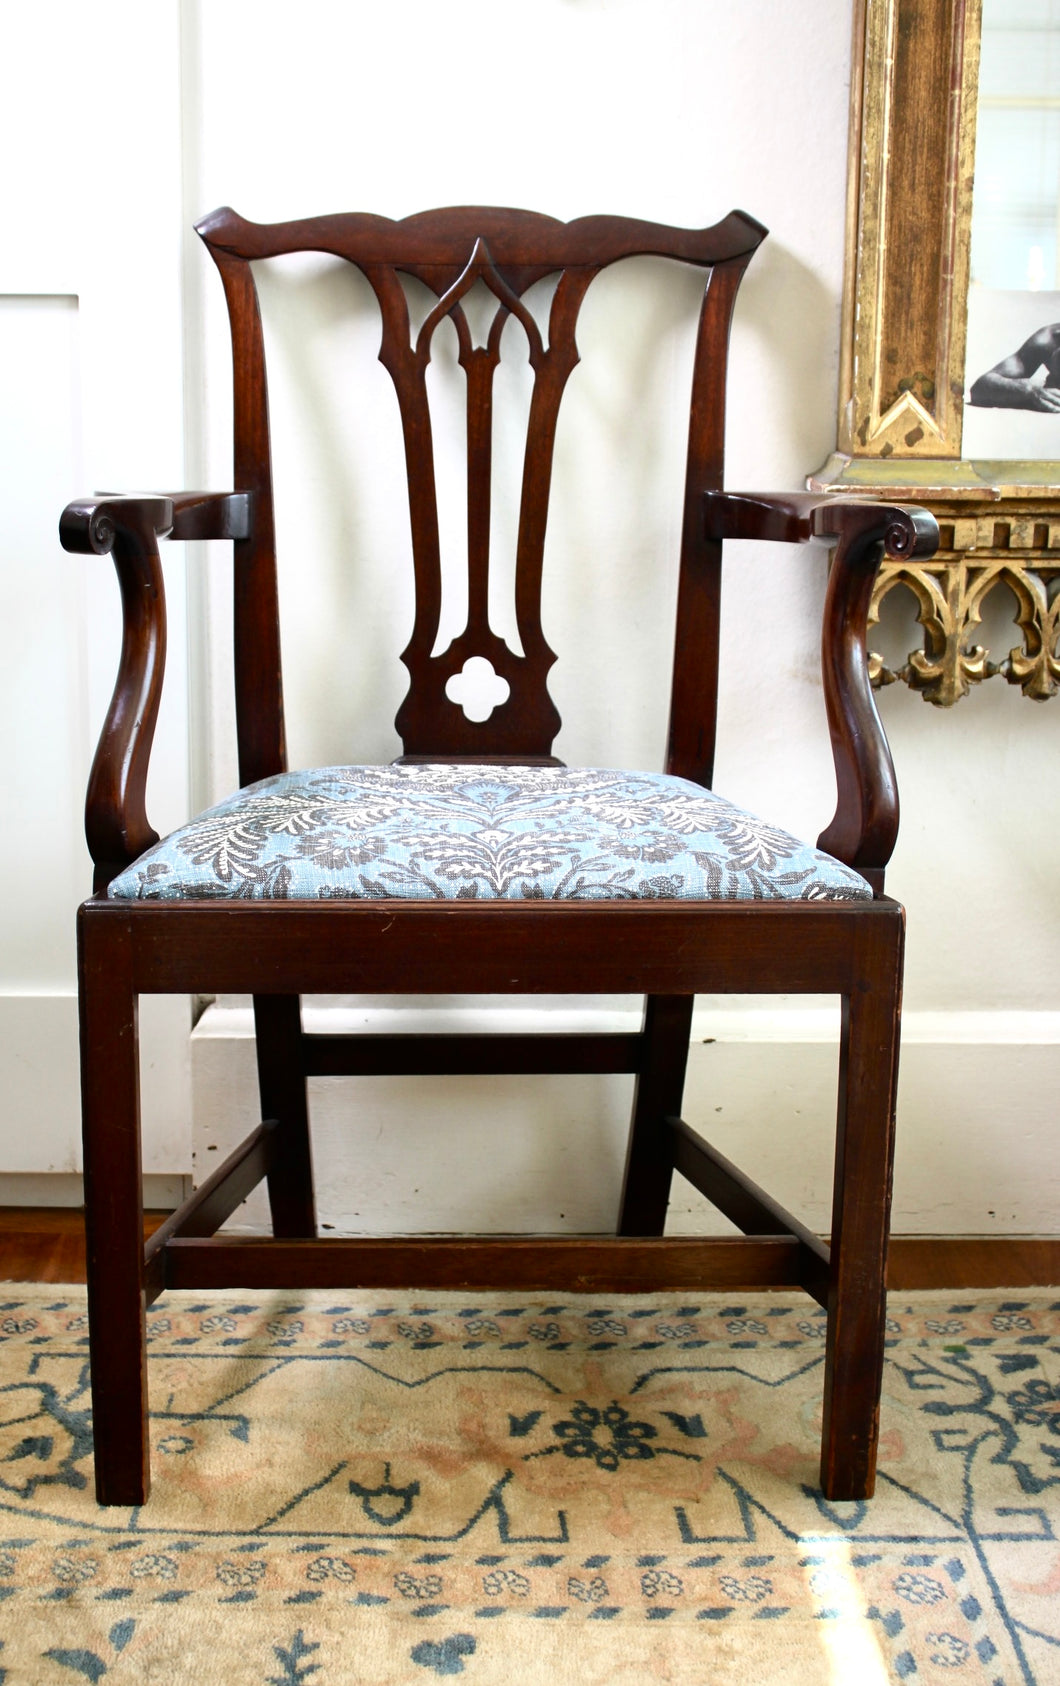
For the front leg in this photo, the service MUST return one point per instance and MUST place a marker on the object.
(114, 1220)
(861, 1207)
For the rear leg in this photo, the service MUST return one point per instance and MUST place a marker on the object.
(657, 1096)
(281, 1080)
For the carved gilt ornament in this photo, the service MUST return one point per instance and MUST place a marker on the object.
(913, 101)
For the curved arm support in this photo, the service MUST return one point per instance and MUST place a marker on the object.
(864, 829)
(116, 823)
(865, 825)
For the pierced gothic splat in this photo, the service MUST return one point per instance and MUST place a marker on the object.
(429, 720)
(452, 253)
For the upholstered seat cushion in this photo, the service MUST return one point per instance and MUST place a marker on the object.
(441, 832)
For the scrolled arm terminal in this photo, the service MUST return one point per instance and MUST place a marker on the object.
(92, 525)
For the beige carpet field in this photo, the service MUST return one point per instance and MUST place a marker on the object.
(355, 1490)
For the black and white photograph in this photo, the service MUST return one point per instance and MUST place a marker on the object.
(1012, 396)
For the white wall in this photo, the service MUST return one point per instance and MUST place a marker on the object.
(676, 111)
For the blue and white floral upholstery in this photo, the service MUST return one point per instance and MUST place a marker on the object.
(452, 832)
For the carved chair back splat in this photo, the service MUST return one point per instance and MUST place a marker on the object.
(759, 914)
(449, 252)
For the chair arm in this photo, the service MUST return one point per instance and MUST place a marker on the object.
(174, 515)
(116, 823)
(864, 828)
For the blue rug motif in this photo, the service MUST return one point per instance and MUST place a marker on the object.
(348, 1489)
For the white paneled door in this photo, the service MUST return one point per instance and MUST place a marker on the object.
(91, 397)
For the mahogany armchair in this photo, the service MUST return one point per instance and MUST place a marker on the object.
(477, 862)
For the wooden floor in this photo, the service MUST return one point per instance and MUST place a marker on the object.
(46, 1244)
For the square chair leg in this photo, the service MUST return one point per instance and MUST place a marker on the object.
(861, 1203)
(110, 1090)
(281, 1080)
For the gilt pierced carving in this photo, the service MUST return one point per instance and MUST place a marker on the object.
(913, 105)
(979, 554)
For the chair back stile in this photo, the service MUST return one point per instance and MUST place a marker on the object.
(260, 732)
(693, 724)
(450, 252)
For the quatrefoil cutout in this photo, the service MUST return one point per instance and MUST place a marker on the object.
(477, 689)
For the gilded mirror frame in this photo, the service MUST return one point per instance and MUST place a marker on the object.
(914, 88)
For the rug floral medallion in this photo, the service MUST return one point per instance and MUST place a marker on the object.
(349, 1489)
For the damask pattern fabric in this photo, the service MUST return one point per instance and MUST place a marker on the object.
(451, 832)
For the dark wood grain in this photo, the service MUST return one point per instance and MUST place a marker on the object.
(664, 950)
(449, 251)
(212, 1203)
(435, 245)
(31, 1252)
(972, 1261)
(692, 727)
(47, 1244)
(211, 515)
(116, 825)
(660, 1085)
(746, 1205)
(580, 1264)
(436, 1055)
(114, 1218)
(282, 1087)
(864, 828)
(528, 947)
(861, 1202)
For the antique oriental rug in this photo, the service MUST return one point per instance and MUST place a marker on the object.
(349, 1489)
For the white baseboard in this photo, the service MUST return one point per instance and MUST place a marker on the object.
(976, 1125)
(58, 1188)
(976, 1143)
(42, 1086)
